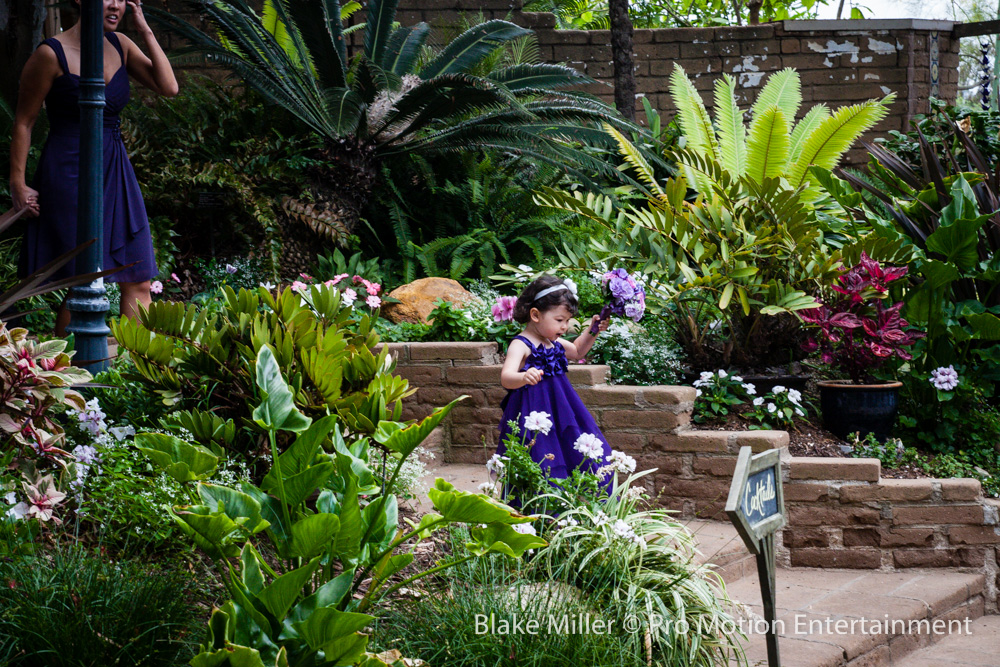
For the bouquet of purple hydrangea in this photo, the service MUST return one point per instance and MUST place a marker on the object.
(625, 296)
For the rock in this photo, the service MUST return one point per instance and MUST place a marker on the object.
(416, 299)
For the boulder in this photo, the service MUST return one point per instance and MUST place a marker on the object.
(416, 299)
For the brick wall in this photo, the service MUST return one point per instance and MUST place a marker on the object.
(841, 512)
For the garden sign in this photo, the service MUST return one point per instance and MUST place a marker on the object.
(756, 506)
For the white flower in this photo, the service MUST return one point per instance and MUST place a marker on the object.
(800, 412)
(121, 432)
(496, 464)
(772, 408)
(697, 392)
(600, 518)
(569, 521)
(750, 389)
(794, 395)
(737, 378)
(944, 378)
(540, 422)
(622, 529)
(634, 493)
(722, 373)
(706, 376)
(349, 297)
(622, 462)
(10, 498)
(486, 487)
(524, 268)
(590, 446)
(267, 285)
(758, 401)
(524, 528)
(778, 389)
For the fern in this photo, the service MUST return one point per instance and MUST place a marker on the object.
(783, 90)
(768, 145)
(693, 120)
(828, 142)
(805, 127)
(732, 133)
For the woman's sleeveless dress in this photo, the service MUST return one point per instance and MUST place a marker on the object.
(126, 228)
(570, 418)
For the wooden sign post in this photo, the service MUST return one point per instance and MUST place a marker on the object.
(756, 506)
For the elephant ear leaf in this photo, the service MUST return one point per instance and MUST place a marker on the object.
(277, 412)
(501, 538)
(180, 460)
(404, 440)
(464, 507)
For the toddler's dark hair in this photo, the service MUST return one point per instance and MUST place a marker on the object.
(527, 300)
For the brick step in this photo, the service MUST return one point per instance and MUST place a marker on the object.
(978, 648)
(816, 609)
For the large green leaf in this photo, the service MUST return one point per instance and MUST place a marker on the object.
(213, 532)
(348, 542)
(958, 241)
(465, 507)
(313, 534)
(329, 594)
(300, 455)
(783, 90)
(277, 412)
(280, 595)
(985, 326)
(327, 629)
(238, 506)
(180, 460)
(767, 145)
(301, 486)
(501, 538)
(732, 133)
(405, 440)
(230, 656)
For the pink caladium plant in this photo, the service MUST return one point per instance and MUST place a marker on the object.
(858, 332)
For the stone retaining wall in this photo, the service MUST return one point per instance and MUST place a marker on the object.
(841, 512)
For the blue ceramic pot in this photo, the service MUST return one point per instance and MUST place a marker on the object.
(864, 408)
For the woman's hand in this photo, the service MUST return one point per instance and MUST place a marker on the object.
(138, 16)
(22, 197)
(533, 376)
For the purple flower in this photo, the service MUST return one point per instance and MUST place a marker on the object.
(230, 269)
(944, 378)
(503, 309)
(634, 310)
(620, 289)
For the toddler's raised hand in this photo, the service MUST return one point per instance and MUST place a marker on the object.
(533, 376)
(602, 325)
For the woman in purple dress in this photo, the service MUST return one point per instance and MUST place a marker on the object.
(534, 372)
(52, 76)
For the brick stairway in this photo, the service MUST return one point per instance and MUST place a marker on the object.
(816, 607)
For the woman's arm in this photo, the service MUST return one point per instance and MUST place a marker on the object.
(154, 71)
(581, 345)
(39, 72)
(511, 375)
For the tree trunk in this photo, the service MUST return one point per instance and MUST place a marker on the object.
(21, 23)
(621, 53)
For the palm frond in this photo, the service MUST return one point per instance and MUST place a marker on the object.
(694, 122)
(637, 161)
(466, 50)
(320, 26)
(379, 18)
(732, 133)
(538, 76)
(813, 118)
(767, 145)
(404, 48)
(783, 90)
(828, 143)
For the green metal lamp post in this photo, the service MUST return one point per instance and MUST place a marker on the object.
(88, 304)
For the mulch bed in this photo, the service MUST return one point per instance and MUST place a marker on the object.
(809, 438)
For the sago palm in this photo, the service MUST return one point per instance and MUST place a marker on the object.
(391, 99)
(774, 145)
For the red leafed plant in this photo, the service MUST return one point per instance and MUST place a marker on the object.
(858, 333)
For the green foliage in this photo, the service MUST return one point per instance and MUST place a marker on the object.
(125, 399)
(449, 322)
(718, 393)
(937, 127)
(217, 140)
(644, 354)
(593, 14)
(983, 465)
(771, 147)
(335, 533)
(40, 311)
(890, 453)
(204, 365)
(331, 265)
(70, 608)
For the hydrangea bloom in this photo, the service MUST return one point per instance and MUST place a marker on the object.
(539, 422)
(590, 446)
(944, 378)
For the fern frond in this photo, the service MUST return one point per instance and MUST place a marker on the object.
(805, 127)
(732, 133)
(767, 145)
(828, 142)
(783, 90)
(691, 114)
(637, 161)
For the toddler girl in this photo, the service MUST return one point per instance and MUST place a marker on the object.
(534, 374)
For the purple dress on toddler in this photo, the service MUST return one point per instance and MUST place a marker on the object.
(570, 418)
(127, 238)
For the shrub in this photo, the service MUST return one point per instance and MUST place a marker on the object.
(67, 608)
(639, 354)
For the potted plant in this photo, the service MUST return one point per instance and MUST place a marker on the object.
(858, 333)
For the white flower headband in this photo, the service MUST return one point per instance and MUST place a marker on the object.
(566, 284)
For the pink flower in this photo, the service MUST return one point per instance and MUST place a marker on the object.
(305, 276)
(336, 279)
(370, 287)
(299, 286)
(156, 287)
(350, 296)
(173, 276)
(503, 309)
(357, 280)
(373, 301)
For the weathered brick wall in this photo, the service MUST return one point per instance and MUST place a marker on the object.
(841, 512)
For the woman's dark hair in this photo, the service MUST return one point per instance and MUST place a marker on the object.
(527, 300)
